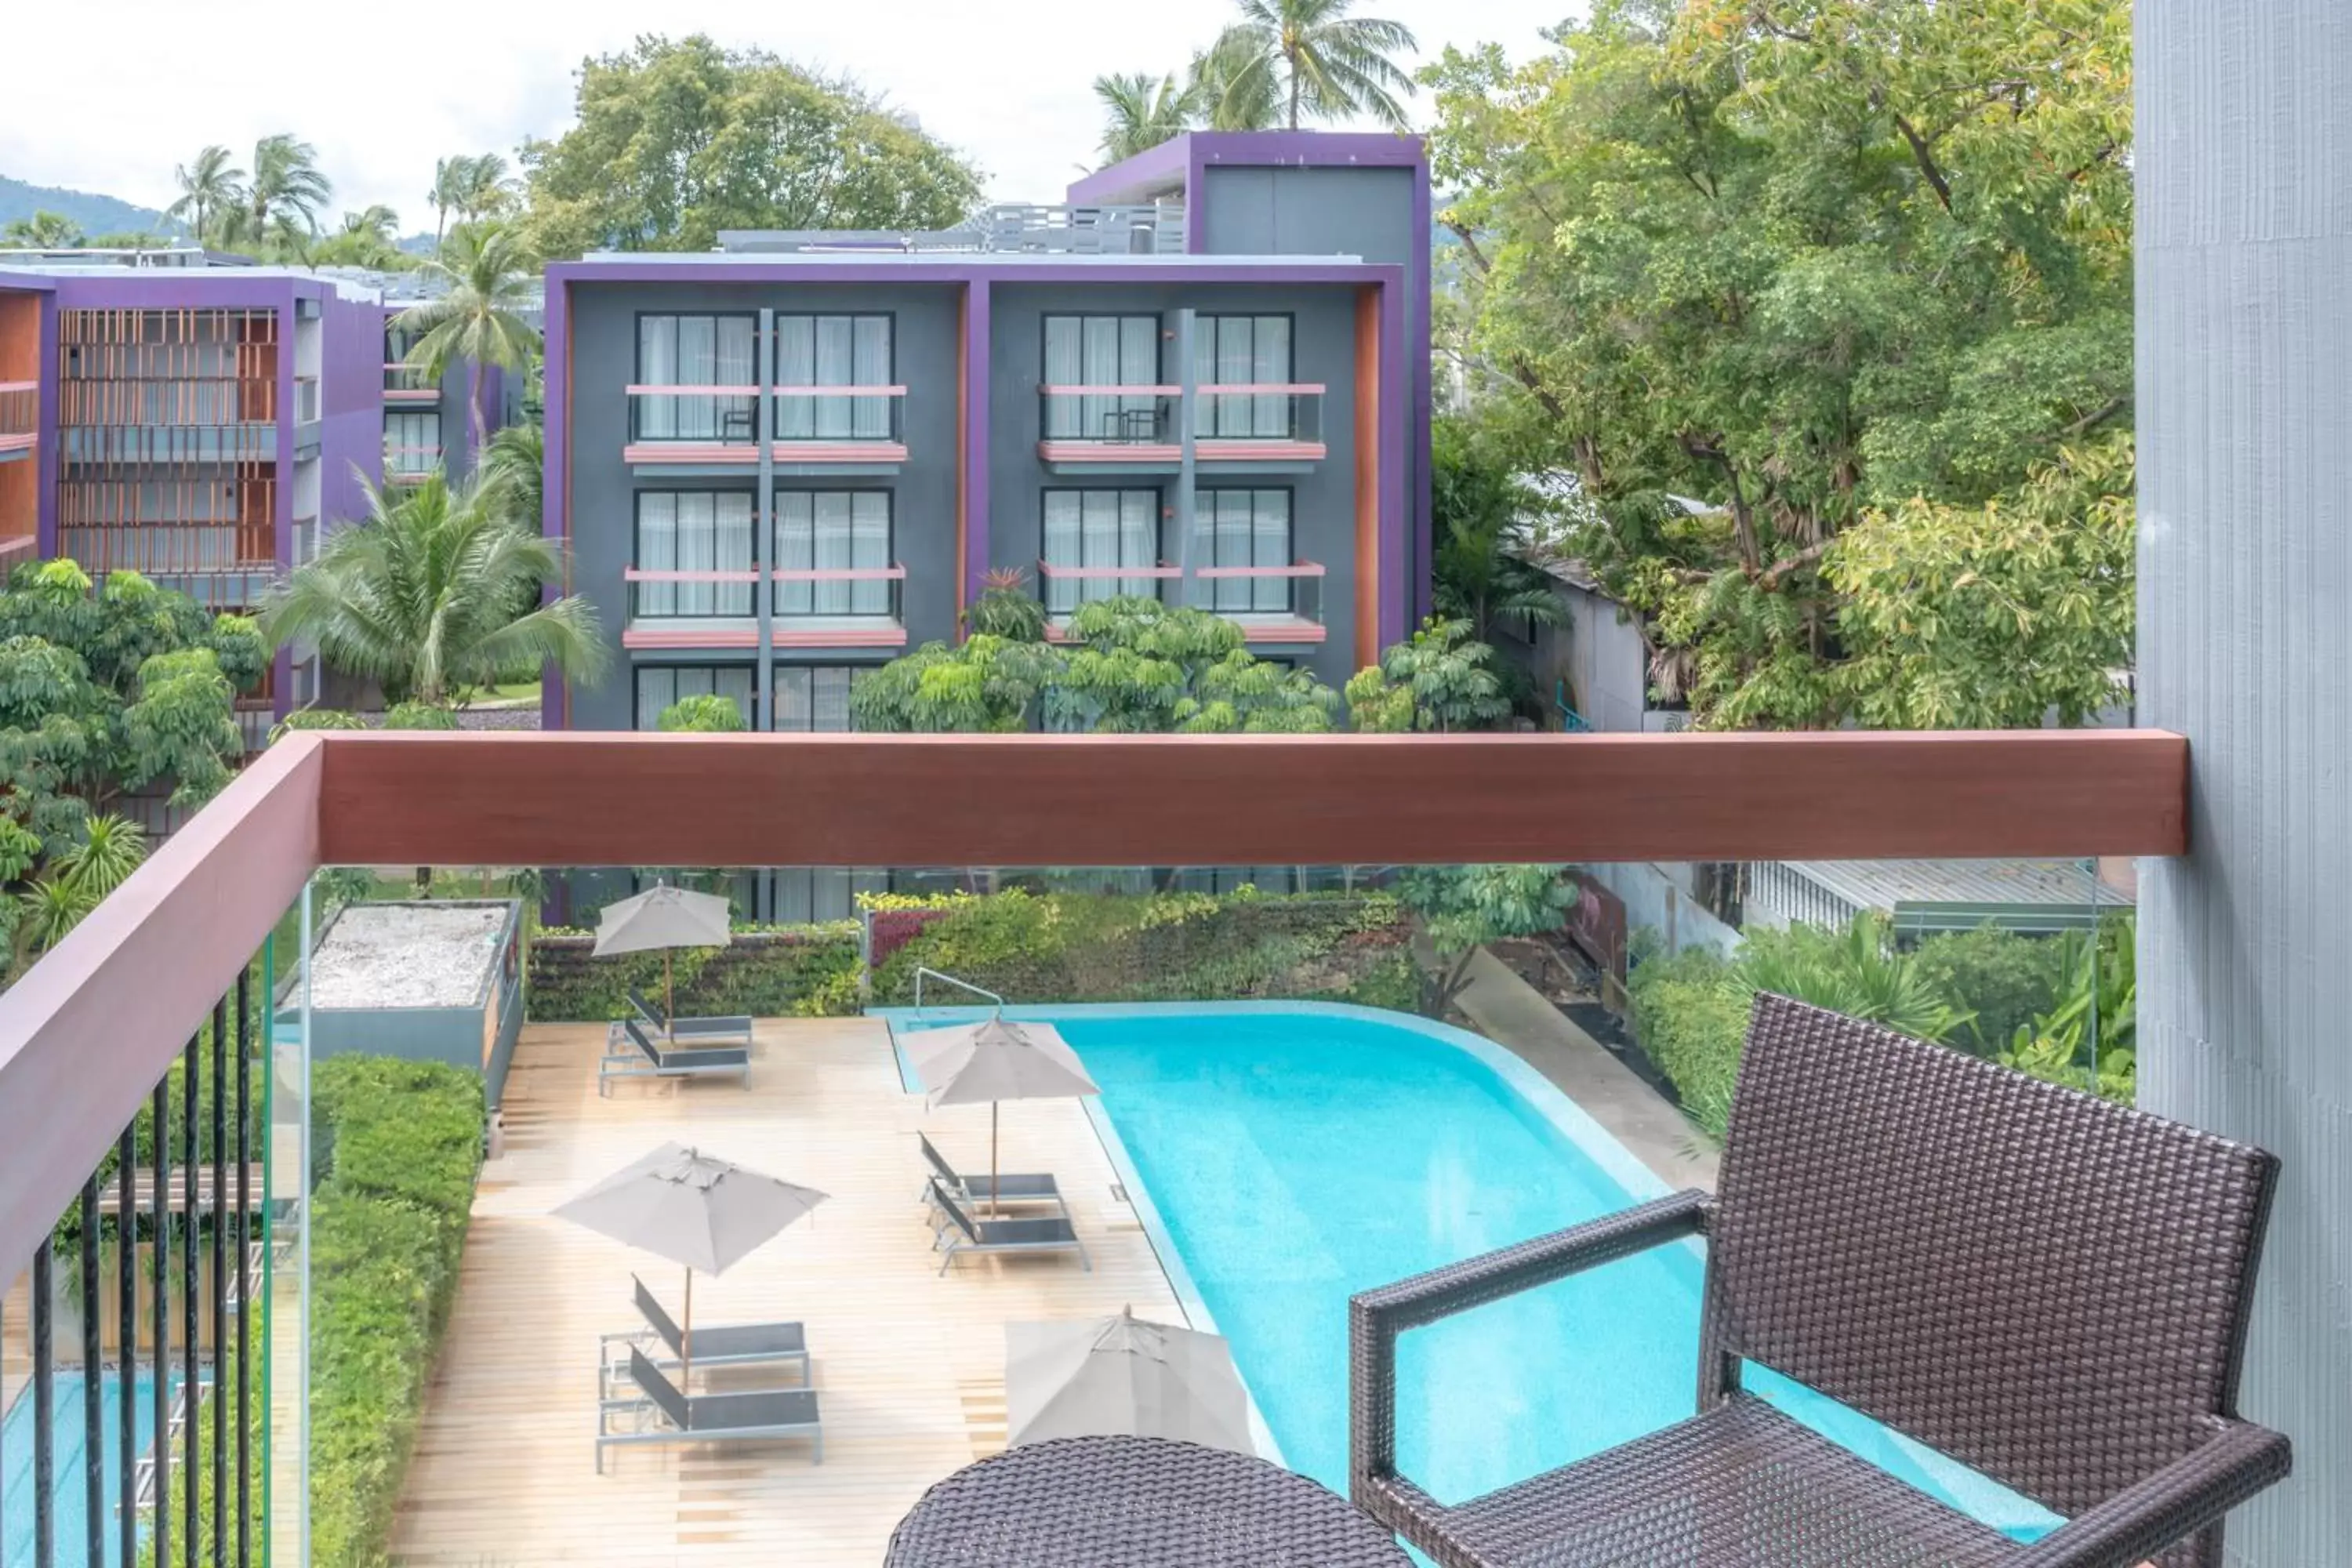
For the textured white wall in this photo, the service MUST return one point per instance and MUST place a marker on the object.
(2245, 168)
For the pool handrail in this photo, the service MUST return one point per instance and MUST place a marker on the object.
(962, 984)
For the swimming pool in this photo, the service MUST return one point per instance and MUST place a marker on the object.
(1292, 1154)
(70, 1493)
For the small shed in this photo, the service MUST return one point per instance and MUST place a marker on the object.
(2037, 898)
(433, 980)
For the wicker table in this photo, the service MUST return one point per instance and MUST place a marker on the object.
(1101, 1502)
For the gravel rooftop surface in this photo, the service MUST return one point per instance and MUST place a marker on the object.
(407, 955)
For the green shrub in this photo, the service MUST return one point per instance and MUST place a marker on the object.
(387, 1232)
(2003, 979)
(1690, 1013)
(794, 970)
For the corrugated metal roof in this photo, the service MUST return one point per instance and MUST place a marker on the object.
(1943, 887)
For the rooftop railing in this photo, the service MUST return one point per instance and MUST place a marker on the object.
(1147, 230)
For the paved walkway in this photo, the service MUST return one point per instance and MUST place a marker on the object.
(1513, 1014)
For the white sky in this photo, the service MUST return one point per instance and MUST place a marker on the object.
(111, 97)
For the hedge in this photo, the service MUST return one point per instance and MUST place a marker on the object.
(791, 971)
(400, 1143)
(1082, 947)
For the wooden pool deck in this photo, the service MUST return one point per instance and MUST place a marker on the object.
(909, 1367)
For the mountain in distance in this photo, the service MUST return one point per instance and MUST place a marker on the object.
(91, 213)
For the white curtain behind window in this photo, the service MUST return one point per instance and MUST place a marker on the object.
(795, 366)
(697, 551)
(1063, 509)
(657, 551)
(658, 366)
(832, 599)
(1064, 366)
(697, 365)
(869, 550)
(836, 365)
(1139, 538)
(733, 551)
(735, 362)
(1270, 546)
(795, 550)
(792, 705)
(870, 366)
(1270, 365)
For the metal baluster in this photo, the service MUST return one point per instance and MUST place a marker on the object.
(191, 1390)
(162, 1220)
(126, 1349)
(245, 1277)
(220, 1283)
(93, 1395)
(45, 1437)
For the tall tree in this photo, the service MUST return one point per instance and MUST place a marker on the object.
(487, 188)
(1314, 59)
(209, 187)
(677, 140)
(450, 180)
(1761, 272)
(282, 199)
(1479, 574)
(363, 239)
(1140, 111)
(1227, 94)
(487, 275)
(423, 599)
(42, 231)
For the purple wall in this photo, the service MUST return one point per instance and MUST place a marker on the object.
(351, 436)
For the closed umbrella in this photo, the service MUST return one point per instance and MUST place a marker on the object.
(994, 1061)
(1122, 1376)
(665, 918)
(692, 1208)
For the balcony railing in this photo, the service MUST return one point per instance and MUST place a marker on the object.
(20, 416)
(1145, 228)
(690, 609)
(1249, 422)
(1270, 604)
(404, 383)
(133, 401)
(408, 463)
(1062, 589)
(840, 606)
(805, 424)
(172, 550)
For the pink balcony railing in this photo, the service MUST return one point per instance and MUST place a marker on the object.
(840, 606)
(721, 424)
(404, 383)
(1242, 421)
(406, 464)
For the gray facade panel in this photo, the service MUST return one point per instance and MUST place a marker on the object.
(1323, 500)
(603, 488)
(2244, 241)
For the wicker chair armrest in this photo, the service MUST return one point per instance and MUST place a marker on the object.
(2176, 1502)
(1375, 1317)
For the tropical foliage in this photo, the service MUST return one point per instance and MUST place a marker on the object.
(488, 280)
(704, 715)
(1478, 510)
(1140, 111)
(1442, 680)
(210, 185)
(1461, 907)
(427, 597)
(1313, 58)
(1801, 291)
(474, 188)
(1005, 609)
(42, 231)
(677, 140)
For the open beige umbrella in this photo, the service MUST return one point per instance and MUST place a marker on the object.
(692, 1208)
(1122, 1376)
(996, 1060)
(665, 918)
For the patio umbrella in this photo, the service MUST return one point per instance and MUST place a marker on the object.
(692, 1208)
(1122, 1376)
(996, 1060)
(667, 918)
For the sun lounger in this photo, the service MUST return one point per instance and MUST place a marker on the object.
(963, 1233)
(695, 1031)
(674, 1062)
(664, 1415)
(1009, 1188)
(731, 1345)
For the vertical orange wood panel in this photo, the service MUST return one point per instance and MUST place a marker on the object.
(1367, 477)
(20, 337)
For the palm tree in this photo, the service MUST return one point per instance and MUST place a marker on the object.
(451, 177)
(42, 231)
(1140, 111)
(423, 598)
(1226, 103)
(284, 194)
(514, 473)
(487, 272)
(1322, 61)
(208, 187)
(482, 191)
(374, 224)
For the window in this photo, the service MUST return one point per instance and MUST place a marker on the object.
(816, 697)
(832, 351)
(1094, 529)
(833, 531)
(694, 530)
(660, 685)
(696, 350)
(1103, 350)
(807, 893)
(412, 442)
(1243, 351)
(1242, 528)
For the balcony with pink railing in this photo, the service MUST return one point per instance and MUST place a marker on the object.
(408, 463)
(1140, 427)
(1277, 604)
(404, 383)
(841, 607)
(721, 424)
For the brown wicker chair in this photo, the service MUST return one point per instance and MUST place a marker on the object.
(2043, 1286)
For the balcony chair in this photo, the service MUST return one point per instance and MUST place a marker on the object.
(986, 1235)
(2043, 1286)
(664, 1415)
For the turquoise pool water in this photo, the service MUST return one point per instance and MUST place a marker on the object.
(71, 1497)
(1295, 1156)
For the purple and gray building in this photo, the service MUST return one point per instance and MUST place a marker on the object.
(1204, 378)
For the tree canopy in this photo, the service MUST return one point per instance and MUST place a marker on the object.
(677, 140)
(1799, 289)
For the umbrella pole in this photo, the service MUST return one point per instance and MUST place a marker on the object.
(669, 1018)
(685, 1343)
(993, 1205)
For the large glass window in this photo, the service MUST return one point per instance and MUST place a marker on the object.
(660, 685)
(412, 442)
(833, 531)
(832, 351)
(816, 697)
(1243, 351)
(694, 530)
(1090, 530)
(807, 893)
(696, 350)
(1103, 350)
(1242, 528)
